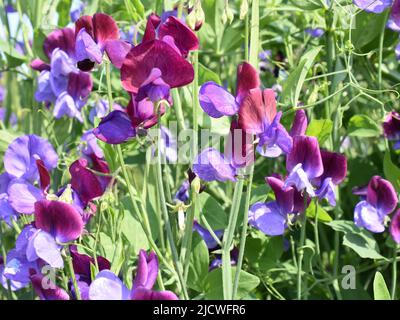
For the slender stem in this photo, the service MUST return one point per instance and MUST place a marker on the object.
(109, 89)
(210, 230)
(164, 210)
(70, 267)
(381, 41)
(394, 274)
(227, 241)
(300, 251)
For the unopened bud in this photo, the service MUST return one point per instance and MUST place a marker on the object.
(196, 184)
(244, 9)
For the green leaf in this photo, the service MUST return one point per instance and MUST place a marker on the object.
(362, 126)
(294, 83)
(199, 263)
(392, 172)
(206, 74)
(212, 211)
(321, 129)
(322, 214)
(307, 5)
(213, 284)
(132, 229)
(367, 21)
(381, 291)
(360, 240)
(262, 252)
(38, 39)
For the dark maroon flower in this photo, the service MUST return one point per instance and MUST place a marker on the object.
(50, 291)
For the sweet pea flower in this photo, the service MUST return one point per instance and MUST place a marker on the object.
(81, 264)
(395, 226)
(89, 145)
(304, 162)
(335, 170)
(64, 85)
(272, 217)
(258, 115)
(96, 35)
(7, 283)
(218, 102)
(206, 235)
(107, 286)
(182, 194)
(76, 10)
(50, 291)
(391, 128)
(380, 200)
(315, 32)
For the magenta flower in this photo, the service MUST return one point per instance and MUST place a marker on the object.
(391, 128)
(96, 35)
(272, 217)
(381, 200)
(258, 115)
(107, 286)
(395, 226)
(50, 291)
(335, 170)
(304, 163)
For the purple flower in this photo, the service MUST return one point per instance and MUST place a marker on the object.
(381, 200)
(271, 217)
(64, 85)
(257, 115)
(300, 123)
(183, 192)
(168, 145)
(21, 155)
(89, 145)
(217, 262)
(81, 264)
(50, 291)
(218, 102)
(107, 286)
(12, 285)
(76, 10)
(335, 170)
(85, 182)
(96, 35)
(391, 128)
(375, 6)
(304, 163)
(206, 235)
(395, 226)
(211, 165)
(316, 32)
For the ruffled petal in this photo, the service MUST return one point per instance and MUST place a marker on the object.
(382, 195)
(298, 178)
(146, 294)
(104, 28)
(115, 128)
(395, 227)
(43, 245)
(300, 124)
(117, 50)
(64, 39)
(216, 101)
(283, 196)
(49, 292)
(267, 218)
(59, 219)
(210, 165)
(247, 79)
(107, 286)
(22, 196)
(87, 48)
(366, 216)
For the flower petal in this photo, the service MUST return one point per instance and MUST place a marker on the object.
(216, 101)
(87, 48)
(84, 181)
(23, 195)
(366, 216)
(300, 124)
(257, 109)
(175, 70)
(64, 39)
(117, 51)
(153, 21)
(43, 175)
(146, 294)
(306, 151)
(283, 196)
(395, 227)
(247, 79)
(185, 39)
(43, 245)
(267, 218)
(107, 286)
(206, 235)
(147, 270)
(375, 6)
(59, 219)
(210, 165)
(48, 292)
(298, 178)
(382, 195)
(104, 28)
(115, 128)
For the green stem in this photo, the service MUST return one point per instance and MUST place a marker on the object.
(394, 274)
(227, 241)
(70, 267)
(300, 251)
(381, 41)
(164, 210)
